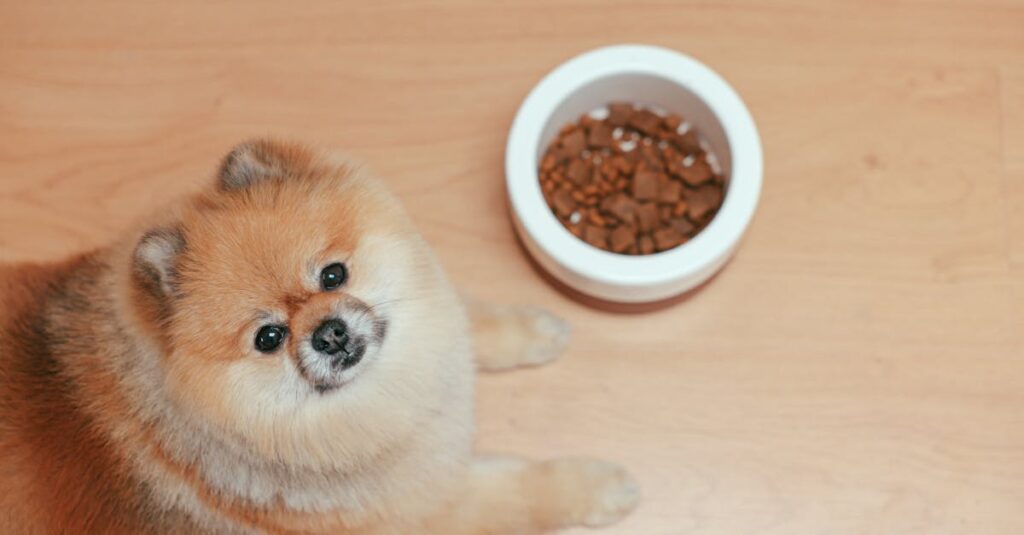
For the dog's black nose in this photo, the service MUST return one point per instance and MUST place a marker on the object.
(330, 337)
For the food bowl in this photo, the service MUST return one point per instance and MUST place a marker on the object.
(658, 78)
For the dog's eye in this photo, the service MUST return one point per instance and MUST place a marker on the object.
(269, 338)
(333, 276)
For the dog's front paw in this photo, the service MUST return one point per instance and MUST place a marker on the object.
(512, 336)
(590, 492)
(545, 335)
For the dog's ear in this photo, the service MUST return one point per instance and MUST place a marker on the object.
(255, 161)
(156, 261)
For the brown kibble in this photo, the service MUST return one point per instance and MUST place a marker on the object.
(622, 238)
(548, 163)
(577, 230)
(651, 158)
(645, 121)
(696, 174)
(621, 206)
(645, 185)
(563, 203)
(647, 216)
(636, 201)
(578, 172)
(600, 135)
(670, 192)
(619, 113)
(672, 122)
(596, 236)
(612, 175)
(704, 200)
(667, 237)
(687, 143)
(683, 225)
(646, 244)
(573, 144)
(622, 164)
(673, 160)
(674, 166)
(631, 156)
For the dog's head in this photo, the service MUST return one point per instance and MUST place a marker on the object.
(292, 296)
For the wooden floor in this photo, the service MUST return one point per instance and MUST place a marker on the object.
(859, 367)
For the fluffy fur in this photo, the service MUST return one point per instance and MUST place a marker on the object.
(133, 400)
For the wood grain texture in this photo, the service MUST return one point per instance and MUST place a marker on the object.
(858, 368)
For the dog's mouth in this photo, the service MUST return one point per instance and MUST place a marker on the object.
(341, 348)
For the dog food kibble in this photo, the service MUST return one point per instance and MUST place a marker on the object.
(633, 182)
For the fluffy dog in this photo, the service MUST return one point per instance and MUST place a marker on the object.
(278, 354)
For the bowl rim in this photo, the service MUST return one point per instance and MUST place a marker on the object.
(709, 246)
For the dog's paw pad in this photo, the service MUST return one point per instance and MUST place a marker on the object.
(615, 494)
(549, 336)
(515, 336)
(596, 493)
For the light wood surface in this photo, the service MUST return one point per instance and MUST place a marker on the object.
(859, 367)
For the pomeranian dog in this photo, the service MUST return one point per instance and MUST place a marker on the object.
(280, 354)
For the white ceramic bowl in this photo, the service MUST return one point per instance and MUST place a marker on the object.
(650, 76)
